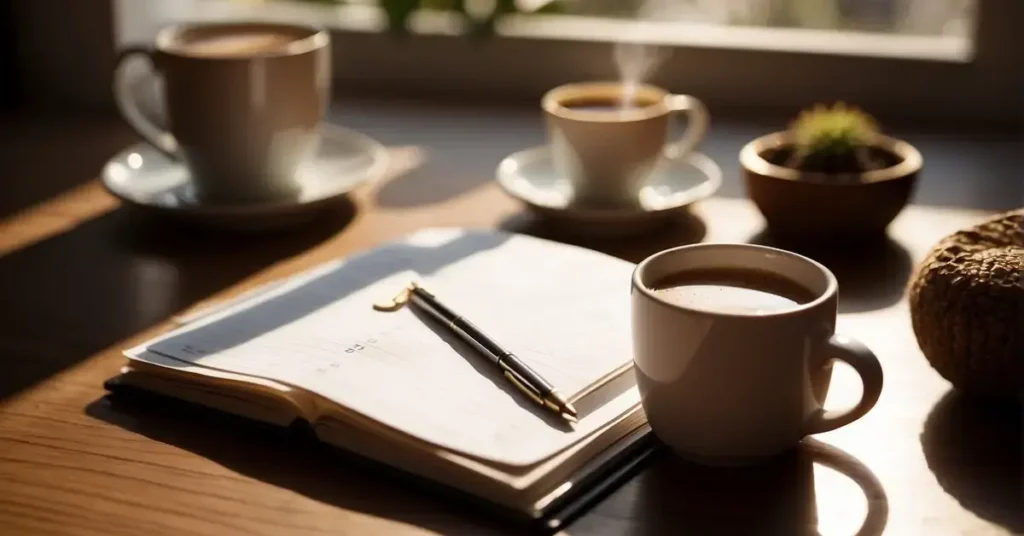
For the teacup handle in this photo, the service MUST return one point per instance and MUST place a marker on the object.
(867, 366)
(126, 103)
(696, 127)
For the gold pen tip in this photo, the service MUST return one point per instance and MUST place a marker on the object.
(570, 418)
(563, 405)
(570, 410)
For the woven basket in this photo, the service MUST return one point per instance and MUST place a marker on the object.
(967, 307)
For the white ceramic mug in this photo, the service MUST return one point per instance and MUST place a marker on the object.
(726, 388)
(244, 120)
(607, 151)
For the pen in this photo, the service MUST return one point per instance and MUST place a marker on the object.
(515, 370)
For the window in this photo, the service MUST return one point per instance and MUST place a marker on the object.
(926, 29)
(921, 59)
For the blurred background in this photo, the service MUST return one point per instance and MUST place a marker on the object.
(947, 62)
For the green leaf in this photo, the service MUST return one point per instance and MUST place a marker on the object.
(398, 12)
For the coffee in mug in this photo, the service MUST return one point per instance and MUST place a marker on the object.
(732, 291)
(607, 137)
(733, 347)
(237, 43)
(244, 103)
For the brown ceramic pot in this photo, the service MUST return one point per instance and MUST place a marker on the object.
(812, 205)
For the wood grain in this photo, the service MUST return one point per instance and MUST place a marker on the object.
(73, 461)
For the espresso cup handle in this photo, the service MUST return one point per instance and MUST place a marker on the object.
(867, 366)
(126, 103)
(696, 127)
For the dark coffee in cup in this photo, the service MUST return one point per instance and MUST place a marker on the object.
(732, 291)
(606, 104)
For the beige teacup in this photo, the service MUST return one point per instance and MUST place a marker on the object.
(733, 374)
(607, 137)
(244, 102)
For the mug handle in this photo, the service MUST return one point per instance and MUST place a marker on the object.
(696, 128)
(126, 103)
(867, 366)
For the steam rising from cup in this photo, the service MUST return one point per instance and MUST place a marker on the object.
(636, 63)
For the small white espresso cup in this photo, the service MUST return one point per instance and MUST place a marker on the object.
(734, 388)
(607, 137)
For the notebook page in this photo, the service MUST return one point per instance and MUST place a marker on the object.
(563, 310)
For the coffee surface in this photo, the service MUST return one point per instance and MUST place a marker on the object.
(597, 104)
(732, 291)
(235, 43)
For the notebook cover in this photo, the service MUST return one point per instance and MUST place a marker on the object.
(601, 475)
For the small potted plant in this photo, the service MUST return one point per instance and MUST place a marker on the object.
(831, 174)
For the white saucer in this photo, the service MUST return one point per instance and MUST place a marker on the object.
(530, 176)
(143, 177)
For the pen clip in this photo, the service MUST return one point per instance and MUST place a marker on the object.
(397, 302)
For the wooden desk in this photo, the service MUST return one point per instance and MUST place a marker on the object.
(82, 278)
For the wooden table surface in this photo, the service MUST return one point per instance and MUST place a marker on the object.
(81, 278)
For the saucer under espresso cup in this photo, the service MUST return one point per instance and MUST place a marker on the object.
(244, 103)
(733, 346)
(607, 137)
(532, 177)
(144, 177)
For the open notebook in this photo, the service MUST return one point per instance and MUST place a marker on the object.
(399, 389)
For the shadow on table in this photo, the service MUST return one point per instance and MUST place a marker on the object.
(779, 497)
(291, 459)
(427, 183)
(152, 233)
(872, 273)
(462, 144)
(69, 296)
(974, 448)
(47, 156)
(686, 229)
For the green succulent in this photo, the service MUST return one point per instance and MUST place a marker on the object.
(837, 129)
(833, 139)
